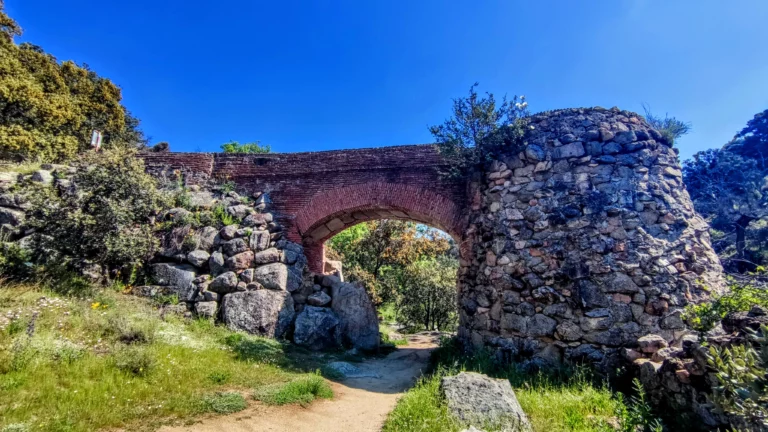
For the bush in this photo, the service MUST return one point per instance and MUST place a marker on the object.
(251, 147)
(15, 262)
(127, 332)
(225, 403)
(133, 360)
(742, 296)
(302, 391)
(670, 128)
(105, 222)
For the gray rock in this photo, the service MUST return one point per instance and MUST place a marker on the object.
(241, 261)
(348, 370)
(262, 312)
(257, 220)
(202, 199)
(277, 277)
(267, 256)
(247, 275)
(234, 247)
(42, 176)
(317, 329)
(177, 276)
(259, 240)
(152, 291)
(208, 238)
(206, 309)
(651, 343)
(198, 258)
(228, 232)
(541, 325)
(319, 299)
(224, 283)
(239, 211)
(11, 216)
(216, 264)
(476, 398)
(359, 323)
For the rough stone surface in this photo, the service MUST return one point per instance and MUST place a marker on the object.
(198, 258)
(224, 283)
(359, 323)
(177, 276)
(277, 277)
(317, 328)
(319, 298)
(479, 399)
(262, 312)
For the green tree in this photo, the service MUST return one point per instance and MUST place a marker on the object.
(427, 294)
(479, 127)
(251, 147)
(106, 219)
(48, 109)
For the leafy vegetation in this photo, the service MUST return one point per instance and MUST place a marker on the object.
(562, 400)
(251, 147)
(478, 128)
(302, 390)
(48, 108)
(65, 366)
(741, 296)
(670, 128)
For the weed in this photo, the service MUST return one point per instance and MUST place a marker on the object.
(134, 361)
(301, 390)
(255, 349)
(219, 377)
(225, 403)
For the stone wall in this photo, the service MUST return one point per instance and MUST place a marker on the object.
(583, 242)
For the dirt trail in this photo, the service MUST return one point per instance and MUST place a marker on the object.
(359, 404)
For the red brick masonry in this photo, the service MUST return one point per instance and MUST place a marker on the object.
(315, 195)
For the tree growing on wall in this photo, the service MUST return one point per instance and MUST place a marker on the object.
(250, 147)
(48, 109)
(728, 187)
(670, 128)
(478, 127)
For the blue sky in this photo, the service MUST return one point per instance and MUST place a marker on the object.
(305, 76)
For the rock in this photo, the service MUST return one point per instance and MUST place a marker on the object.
(152, 291)
(208, 238)
(267, 256)
(476, 398)
(240, 261)
(198, 258)
(239, 211)
(247, 275)
(202, 199)
(277, 277)
(541, 325)
(234, 247)
(11, 216)
(228, 232)
(347, 370)
(216, 264)
(262, 312)
(257, 220)
(651, 343)
(178, 214)
(206, 309)
(333, 268)
(741, 321)
(319, 299)
(177, 276)
(42, 176)
(317, 329)
(224, 283)
(259, 240)
(359, 323)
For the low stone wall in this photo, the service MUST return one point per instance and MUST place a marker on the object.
(583, 241)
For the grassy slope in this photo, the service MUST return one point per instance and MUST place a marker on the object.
(117, 363)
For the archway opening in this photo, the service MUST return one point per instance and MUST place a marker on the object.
(408, 268)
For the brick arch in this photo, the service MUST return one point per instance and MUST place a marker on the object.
(331, 211)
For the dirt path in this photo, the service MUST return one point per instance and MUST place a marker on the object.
(359, 404)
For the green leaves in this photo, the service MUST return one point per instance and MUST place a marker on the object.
(251, 147)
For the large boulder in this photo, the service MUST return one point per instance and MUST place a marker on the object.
(277, 276)
(262, 312)
(317, 328)
(478, 399)
(224, 283)
(179, 277)
(359, 324)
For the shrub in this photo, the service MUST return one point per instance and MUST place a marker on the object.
(251, 147)
(670, 128)
(637, 415)
(133, 360)
(225, 403)
(219, 377)
(105, 222)
(742, 296)
(128, 332)
(15, 262)
(301, 390)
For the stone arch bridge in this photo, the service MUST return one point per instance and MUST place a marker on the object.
(316, 195)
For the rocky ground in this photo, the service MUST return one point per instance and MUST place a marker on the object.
(359, 405)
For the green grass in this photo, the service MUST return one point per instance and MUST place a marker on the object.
(226, 402)
(302, 390)
(88, 366)
(561, 400)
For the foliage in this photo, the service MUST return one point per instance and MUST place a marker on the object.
(48, 109)
(478, 128)
(251, 147)
(742, 388)
(427, 294)
(225, 402)
(375, 253)
(670, 128)
(105, 222)
(740, 298)
(752, 141)
(637, 415)
(66, 375)
(302, 390)
(15, 262)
